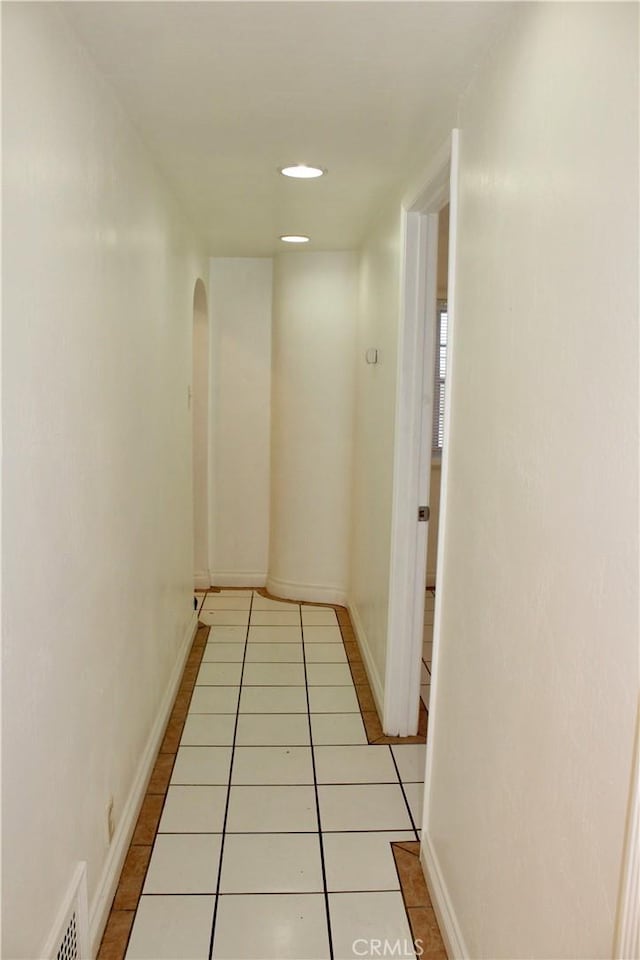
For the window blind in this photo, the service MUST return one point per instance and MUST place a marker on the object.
(442, 326)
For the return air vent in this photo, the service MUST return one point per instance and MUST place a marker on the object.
(69, 949)
(69, 939)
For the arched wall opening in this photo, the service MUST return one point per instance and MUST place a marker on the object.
(200, 432)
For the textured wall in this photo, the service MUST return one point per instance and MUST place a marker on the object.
(538, 674)
(314, 320)
(98, 284)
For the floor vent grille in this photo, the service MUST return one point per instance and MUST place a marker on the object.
(69, 939)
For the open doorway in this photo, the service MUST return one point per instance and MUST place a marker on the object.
(200, 430)
(437, 439)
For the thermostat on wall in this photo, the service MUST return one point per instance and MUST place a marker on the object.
(372, 355)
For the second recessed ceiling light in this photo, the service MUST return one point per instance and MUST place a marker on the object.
(300, 171)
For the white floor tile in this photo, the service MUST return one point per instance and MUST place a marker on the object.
(274, 700)
(228, 634)
(325, 653)
(358, 918)
(223, 653)
(363, 807)
(362, 861)
(172, 928)
(273, 729)
(322, 635)
(235, 593)
(208, 729)
(333, 700)
(329, 675)
(411, 759)
(193, 810)
(225, 617)
(275, 618)
(272, 766)
(272, 810)
(425, 694)
(216, 601)
(274, 653)
(337, 728)
(360, 764)
(415, 797)
(275, 634)
(273, 674)
(201, 765)
(219, 674)
(264, 603)
(214, 700)
(272, 863)
(184, 863)
(282, 927)
(318, 618)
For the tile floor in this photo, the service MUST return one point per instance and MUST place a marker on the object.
(427, 645)
(270, 834)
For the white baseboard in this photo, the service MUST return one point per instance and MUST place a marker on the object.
(202, 580)
(444, 910)
(108, 882)
(290, 590)
(230, 578)
(375, 681)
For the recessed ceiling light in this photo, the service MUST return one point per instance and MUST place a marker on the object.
(302, 172)
(295, 239)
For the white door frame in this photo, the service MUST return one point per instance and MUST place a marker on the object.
(412, 453)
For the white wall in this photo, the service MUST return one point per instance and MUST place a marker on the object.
(374, 440)
(538, 663)
(314, 318)
(240, 419)
(98, 283)
(200, 428)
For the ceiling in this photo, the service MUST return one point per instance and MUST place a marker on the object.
(224, 93)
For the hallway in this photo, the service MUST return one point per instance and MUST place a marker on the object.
(192, 401)
(275, 813)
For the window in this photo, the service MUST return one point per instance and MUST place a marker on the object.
(442, 325)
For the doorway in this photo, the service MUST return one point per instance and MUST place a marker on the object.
(437, 440)
(200, 430)
(422, 415)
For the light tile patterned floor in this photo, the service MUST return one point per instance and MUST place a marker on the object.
(274, 837)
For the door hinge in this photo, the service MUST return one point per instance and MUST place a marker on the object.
(423, 514)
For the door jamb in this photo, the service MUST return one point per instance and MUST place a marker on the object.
(412, 438)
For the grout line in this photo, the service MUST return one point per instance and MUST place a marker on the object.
(315, 788)
(413, 825)
(226, 808)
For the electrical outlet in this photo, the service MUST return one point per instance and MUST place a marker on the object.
(111, 825)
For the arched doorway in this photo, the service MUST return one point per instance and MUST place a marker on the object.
(200, 431)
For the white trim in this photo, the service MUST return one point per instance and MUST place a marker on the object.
(108, 881)
(242, 578)
(375, 681)
(412, 453)
(444, 479)
(445, 914)
(202, 580)
(293, 590)
(75, 899)
(627, 945)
